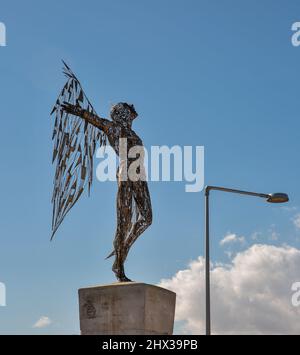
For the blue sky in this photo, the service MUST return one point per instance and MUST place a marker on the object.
(222, 74)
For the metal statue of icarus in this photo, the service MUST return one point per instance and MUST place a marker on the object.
(78, 131)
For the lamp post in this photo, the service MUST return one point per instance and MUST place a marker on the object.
(272, 198)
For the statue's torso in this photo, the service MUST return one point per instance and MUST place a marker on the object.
(128, 136)
(123, 140)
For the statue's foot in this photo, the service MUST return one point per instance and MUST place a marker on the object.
(119, 272)
(120, 275)
(124, 278)
(118, 269)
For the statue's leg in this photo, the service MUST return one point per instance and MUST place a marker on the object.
(124, 215)
(142, 199)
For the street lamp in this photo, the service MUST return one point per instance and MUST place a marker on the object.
(272, 198)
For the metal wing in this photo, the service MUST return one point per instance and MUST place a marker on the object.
(75, 143)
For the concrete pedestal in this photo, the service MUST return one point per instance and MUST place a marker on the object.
(128, 308)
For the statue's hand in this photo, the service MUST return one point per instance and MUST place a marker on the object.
(72, 109)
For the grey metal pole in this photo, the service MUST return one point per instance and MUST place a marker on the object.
(207, 265)
(274, 198)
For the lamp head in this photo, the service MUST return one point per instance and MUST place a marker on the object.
(278, 197)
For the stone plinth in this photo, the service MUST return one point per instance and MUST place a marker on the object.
(127, 308)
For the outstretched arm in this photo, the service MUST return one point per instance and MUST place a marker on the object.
(101, 123)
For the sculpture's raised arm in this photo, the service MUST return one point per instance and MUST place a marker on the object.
(101, 123)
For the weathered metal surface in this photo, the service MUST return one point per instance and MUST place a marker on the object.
(77, 131)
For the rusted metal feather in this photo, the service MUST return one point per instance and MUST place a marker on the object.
(72, 141)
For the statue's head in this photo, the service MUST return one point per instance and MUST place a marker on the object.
(123, 113)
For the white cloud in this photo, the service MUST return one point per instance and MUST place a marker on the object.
(296, 221)
(232, 238)
(250, 295)
(42, 322)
